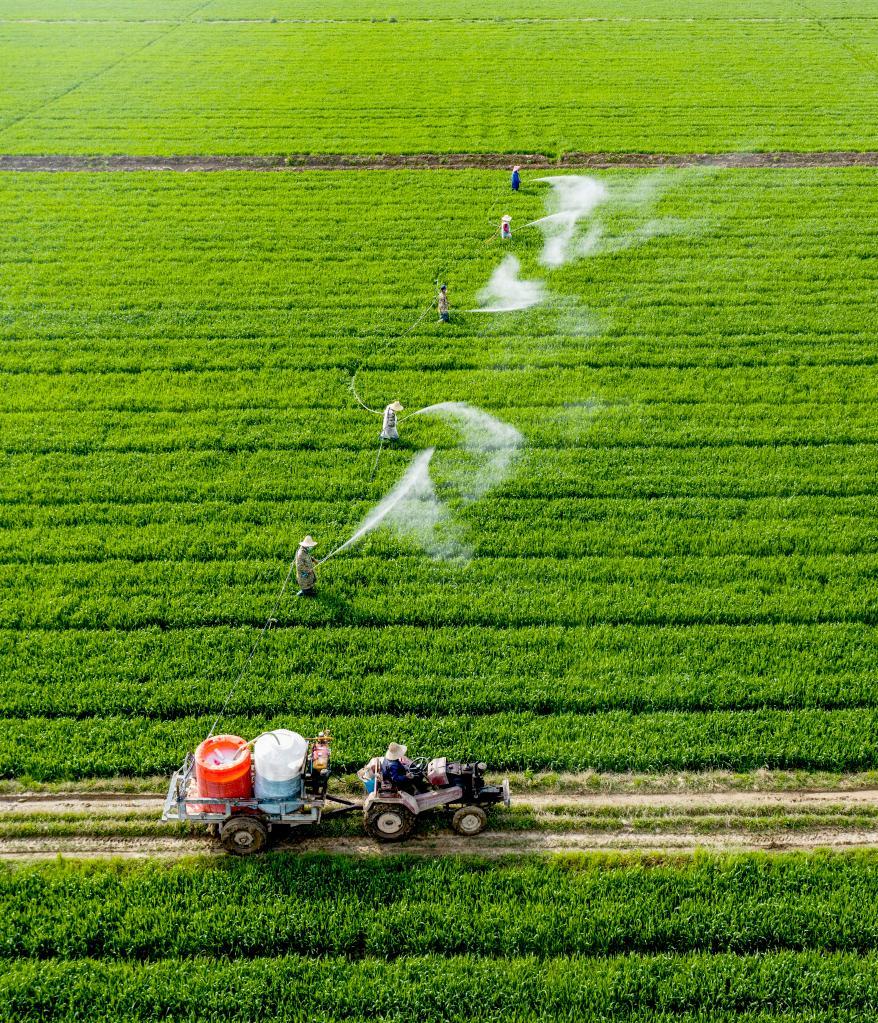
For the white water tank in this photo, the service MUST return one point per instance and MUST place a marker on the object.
(278, 764)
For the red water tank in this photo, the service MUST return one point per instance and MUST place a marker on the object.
(223, 768)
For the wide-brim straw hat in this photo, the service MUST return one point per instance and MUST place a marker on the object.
(395, 406)
(506, 218)
(308, 542)
(516, 167)
(395, 751)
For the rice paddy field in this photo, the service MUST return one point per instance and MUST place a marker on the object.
(224, 76)
(677, 572)
(669, 578)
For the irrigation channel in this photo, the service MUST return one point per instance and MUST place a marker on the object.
(35, 826)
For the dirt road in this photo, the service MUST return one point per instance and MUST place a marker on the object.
(122, 802)
(35, 826)
(489, 844)
(433, 161)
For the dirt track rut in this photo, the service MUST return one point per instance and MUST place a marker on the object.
(490, 844)
(800, 800)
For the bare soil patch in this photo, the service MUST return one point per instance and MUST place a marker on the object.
(490, 844)
(433, 161)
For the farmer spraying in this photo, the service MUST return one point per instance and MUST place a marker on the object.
(389, 431)
(442, 303)
(306, 575)
(506, 227)
(516, 179)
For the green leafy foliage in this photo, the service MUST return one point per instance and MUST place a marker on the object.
(679, 571)
(543, 77)
(767, 988)
(317, 905)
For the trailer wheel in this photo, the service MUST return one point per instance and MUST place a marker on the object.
(389, 823)
(243, 835)
(469, 820)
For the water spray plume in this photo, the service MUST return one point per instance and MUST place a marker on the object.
(494, 443)
(575, 197)
(413, 484)
(505, 293)
(412, 508)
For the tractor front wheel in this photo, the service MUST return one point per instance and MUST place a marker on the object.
(469, 821)
(243, 835)
(388, 823)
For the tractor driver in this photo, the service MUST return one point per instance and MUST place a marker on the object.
(395, 771)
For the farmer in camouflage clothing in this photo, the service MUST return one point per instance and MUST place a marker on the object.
(306, 576)
(442, 303)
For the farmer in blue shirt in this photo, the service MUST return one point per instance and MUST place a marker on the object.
(395, 771)
(516, 179)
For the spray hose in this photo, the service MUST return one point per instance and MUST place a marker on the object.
(359, 400)
(405, 333)
(268, 623)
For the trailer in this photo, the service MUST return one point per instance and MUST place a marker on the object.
(244, 825)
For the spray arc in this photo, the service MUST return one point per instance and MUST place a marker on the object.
(409, 488)
(413, 509)
(505, 292)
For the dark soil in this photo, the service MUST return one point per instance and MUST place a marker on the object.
(434, 161)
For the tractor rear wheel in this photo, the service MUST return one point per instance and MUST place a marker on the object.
(389, 823)
(469, 820)
(243, 835)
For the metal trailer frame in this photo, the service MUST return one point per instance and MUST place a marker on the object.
(183, 805)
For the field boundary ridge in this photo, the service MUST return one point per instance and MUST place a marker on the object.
(434, 161)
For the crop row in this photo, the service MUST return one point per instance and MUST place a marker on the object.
(172, 680)
(499, 592)
(568, 528)
(340, 906)
(273, 688)
(419, 10)
(340, 475)
(665, 324)
(835, 740)
(151, 672)
(476, 670)
(451, 989)
(360, 87)
(722, 345)
(497, 389)
(586, 424)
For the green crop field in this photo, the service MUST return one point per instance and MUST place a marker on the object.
(679, 570)
(635, 559)
(287, 76)
(298, 938)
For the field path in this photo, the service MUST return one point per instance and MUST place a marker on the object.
(490, 844)
(436, 161)
(800, 800)
(683, 823)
